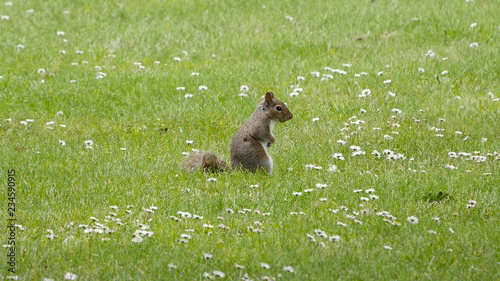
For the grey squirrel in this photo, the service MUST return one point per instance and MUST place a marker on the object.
(250, 142)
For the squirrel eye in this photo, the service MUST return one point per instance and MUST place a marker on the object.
(278, 108)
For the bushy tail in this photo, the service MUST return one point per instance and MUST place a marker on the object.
(207, 161)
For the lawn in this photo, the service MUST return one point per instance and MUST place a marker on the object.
(389, 169)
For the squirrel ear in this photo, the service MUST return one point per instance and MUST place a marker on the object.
(269, 97)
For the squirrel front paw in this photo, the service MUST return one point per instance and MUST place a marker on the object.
(269, 144)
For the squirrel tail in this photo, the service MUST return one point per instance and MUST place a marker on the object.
(207, 161)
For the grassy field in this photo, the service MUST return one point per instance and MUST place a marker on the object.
(390, 168)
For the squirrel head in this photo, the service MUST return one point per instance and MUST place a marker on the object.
(276, 110)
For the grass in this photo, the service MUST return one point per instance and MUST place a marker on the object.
(230, 44)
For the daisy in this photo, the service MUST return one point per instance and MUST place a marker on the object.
(430, 54)
(137, 239)
(265, 265)
(288, 268)
(219, 273)
(412, 220)
(70, 276)
(244, 88)
(333, 168)
(365, 93)
(202, 88)
(334, 238)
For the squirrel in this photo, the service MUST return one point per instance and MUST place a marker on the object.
(250, 142)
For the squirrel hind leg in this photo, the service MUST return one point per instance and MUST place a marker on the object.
(211, 163)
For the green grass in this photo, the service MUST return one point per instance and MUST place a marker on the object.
(253, 43)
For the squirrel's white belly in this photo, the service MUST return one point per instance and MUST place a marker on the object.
(269, 159)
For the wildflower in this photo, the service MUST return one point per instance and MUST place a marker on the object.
(358, 190)
(202, 88)
(180, 88)
(391, 94)
(211, 179)
(388, 247)
(313, 239)
(265, 265)
(320, 233)
(244, 88)
(4, 17)
(321, 185)
(207, 256)
(474, 45)
(451, 230)
(365, 93)
(308, 190)
(70, 276)
(289, 18)
(177, 59)
(445, 72)
(341, 142)
(412, 220)
(315, 119)
(137, 239)
(338, 156)
(421, 70)
(172, 266)
(334, 238)
(301, 78)
(430, 54)
(296, 194)
(188, 95)
(288, 268)
(432, 232)
(63, 143)
(333, 168)
(398, 111)
(239, 266)
(451, 167)
(387, 82)
(342, 224)
(472, 25)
